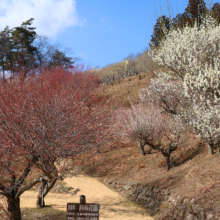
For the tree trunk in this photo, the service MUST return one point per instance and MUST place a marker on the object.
(14, 208)
(41, 190)
(40, 202)
(218, 150)
(141, 145)
(210, 149)
(3, 68)
(168, 162)
(149, 148)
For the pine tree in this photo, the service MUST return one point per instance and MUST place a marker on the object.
(163, 23)
(5, 48)
(195, 11)
(215, 12)
(59, 58)
(23, 38)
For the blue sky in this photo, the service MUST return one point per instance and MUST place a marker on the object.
(100, 32)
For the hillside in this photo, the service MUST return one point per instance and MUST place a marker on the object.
(194, 174)
(126, 90)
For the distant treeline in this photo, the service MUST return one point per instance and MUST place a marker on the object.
(132, 65)
(194, 12)
(21, 47)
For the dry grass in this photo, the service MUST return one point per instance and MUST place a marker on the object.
(46, 213)
(125, 91)
(194, 173)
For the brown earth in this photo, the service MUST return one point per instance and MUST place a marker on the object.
(112, 205)
(194, 174)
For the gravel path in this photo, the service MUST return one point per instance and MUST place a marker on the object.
(112, 205)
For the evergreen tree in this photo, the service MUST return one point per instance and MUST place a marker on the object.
(179, 21)
(163, 23)
(59, 58)
(5, 48)
(23, 38)
(215, 12)
(195, 11)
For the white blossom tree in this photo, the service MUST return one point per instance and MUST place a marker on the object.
(193, 57)
(168, 95)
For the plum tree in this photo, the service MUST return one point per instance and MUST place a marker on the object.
(149, 126)
(45, 120)
(192, 56)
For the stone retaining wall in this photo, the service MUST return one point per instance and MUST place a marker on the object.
(161, 202)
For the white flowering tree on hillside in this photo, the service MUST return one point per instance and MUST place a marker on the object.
(167, 94)
(193, 58)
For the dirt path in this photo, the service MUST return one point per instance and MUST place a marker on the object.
(112, 205)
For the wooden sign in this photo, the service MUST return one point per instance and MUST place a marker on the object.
(85, 211)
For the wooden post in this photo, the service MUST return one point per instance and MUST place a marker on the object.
(82, 199)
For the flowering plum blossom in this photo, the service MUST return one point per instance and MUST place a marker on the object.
(45, 121)
(148, 126)
(192, 56)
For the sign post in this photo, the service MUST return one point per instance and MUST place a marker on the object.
(82, 210)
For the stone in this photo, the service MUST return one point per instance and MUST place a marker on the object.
(176, 212)
(151, 205)
(139, 189)
(179, 199)
(182, 213)
(141, 196)
(174, 201)
(192, 201)
(202, 215)
(156, 189)
(144, 191)
(167, 192)
(75, 191)
(210, 216)
(189, 217)
(140, 166)
(127, 187)
(186, 201)
(153, 198)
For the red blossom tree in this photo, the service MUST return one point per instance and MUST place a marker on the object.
(45, 120)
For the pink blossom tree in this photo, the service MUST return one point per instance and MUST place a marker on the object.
(149, 126)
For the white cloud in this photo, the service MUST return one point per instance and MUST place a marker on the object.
(50, 16)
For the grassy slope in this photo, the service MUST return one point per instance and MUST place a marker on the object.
(194, 173)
